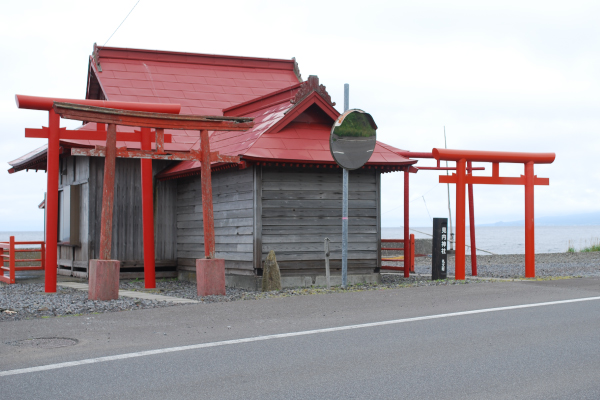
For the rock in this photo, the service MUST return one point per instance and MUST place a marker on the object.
(271, 275)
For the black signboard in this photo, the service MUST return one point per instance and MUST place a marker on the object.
(439, 258)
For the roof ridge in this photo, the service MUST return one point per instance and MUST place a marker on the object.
(387, 146)
(291, 117)
(193, 58)
(263, 97)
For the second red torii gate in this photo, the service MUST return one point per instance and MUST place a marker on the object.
(461, 178)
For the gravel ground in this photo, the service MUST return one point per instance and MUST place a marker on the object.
(28, 300)
(513, 265)
(175, 288)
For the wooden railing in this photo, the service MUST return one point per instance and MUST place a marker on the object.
(411, 253)
(7, 273)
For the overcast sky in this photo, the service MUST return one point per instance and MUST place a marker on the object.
(512, 75)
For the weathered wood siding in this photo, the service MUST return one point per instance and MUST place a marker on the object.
(73, 260)
(233, 204)
(301, 207)
(127, 239)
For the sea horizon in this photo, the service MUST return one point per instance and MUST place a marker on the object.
(493, 239)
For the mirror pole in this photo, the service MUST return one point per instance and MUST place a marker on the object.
(345, 204)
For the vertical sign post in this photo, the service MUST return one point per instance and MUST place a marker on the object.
(345, 203)
(439, 258)
(351, 142)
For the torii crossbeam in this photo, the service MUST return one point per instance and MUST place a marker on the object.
(461, 178)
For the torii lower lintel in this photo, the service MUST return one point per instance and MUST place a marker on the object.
(462, 178)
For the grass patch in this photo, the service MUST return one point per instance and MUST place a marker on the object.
(595, 247)
(586, 247)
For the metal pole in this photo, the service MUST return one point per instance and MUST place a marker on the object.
(449, 208)
(327, 273)
(346, 97)
(529, 222)
(472, 222)
(345, 204)
(345, 231)
(148, 213)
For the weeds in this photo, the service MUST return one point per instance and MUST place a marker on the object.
(594, 245)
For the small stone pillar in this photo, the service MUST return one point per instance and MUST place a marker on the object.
(210, 276)
(104, 279)
(271, 274)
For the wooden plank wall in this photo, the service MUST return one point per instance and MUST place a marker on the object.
(301, 207)
(127, 240)
(233, 203)
(73, 260)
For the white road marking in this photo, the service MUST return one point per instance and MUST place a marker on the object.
(282, 336)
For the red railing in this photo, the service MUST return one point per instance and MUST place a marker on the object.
(411, 253)
(12, 259)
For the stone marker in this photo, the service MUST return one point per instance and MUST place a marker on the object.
(271, 275)
(104, 279)
(210, 277)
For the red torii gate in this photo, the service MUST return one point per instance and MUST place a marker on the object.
(210, 272)
(54, 133)
(461, 178)
(412, 154)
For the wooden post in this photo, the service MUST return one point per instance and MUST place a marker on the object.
(108, 194)
(43, 255)
(459, 259)
(406, 227)
(148, 213)
(2, 262)
(472, 222)
(11, 260)
(207, 204)
(529, 222)
(52, 203)
(412, 252)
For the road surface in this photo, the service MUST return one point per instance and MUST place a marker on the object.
(511, 340)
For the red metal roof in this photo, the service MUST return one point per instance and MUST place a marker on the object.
(223, 85)
(285, 132)
(204, 84)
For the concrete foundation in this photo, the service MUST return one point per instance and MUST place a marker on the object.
(210, 276)
(104, 279)
(250, 282)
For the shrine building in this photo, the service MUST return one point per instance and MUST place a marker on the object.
(285, 194)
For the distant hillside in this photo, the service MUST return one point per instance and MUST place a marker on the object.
(563, 220)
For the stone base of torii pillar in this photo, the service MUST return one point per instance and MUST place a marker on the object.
(104, 279)
(210, 276)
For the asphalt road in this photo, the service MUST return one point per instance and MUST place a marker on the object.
(543, 352)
